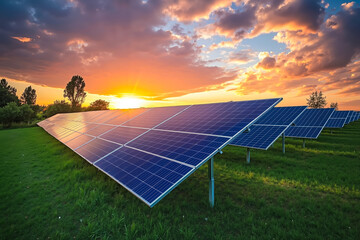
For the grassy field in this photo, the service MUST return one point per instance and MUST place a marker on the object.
(48, 192)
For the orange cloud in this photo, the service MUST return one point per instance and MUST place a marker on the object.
(22, 39)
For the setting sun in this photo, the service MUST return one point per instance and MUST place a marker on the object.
(127, 102)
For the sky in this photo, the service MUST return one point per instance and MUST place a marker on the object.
(145, 53)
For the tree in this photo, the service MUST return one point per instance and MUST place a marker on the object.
(316, 100)
(28, 96)
(26, 113)
(7, 93)
(99, 105)
(335, 105)
(9, 114)
(74, 91)
(59, 106)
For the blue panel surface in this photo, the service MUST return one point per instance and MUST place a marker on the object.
(126, 116)
(184, 147)
(260, 137)
(147, 176)
(303, 132)
(314, 117)
(154, 116)
(340, 114)
(123, 135)
(225, 119)
(99, 129)
(78, 141)
(96, 149)
(281, 115)
(335, 123)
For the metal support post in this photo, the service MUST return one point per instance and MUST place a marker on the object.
(303, 142)
(248, 155)
(283, 142)
(211, 183)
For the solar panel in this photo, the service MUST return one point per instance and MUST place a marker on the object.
(349, 117)
(225, 119)
(135, 149)
(335, 123)
(310, 123)
(337, 119)
(265, 131)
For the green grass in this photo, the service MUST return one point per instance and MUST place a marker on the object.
(47, 191)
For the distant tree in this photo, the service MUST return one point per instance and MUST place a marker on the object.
(74, 91)
(26, 113)
(38, 109)
(98, 105)
(59, 106)
(335, 105)
(316, 100)
(7, 93)
(9, 114)
(28, 96)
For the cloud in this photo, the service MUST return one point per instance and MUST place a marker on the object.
(117, 46)
(267, 63)
(242, 56)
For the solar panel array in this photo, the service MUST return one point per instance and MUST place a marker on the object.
(310, 123)
(150, 151)
(267, 129)
(337, 119)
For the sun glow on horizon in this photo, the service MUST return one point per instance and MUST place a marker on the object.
(127, 102)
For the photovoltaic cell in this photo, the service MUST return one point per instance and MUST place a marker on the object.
(224, 119)
(147, 176)
(99, 129)
(314, 117)
(78, 141)
(123, 135)
(310, 123)
(126, 116)
(265, 131)
(184, 147)
(281, 115)
(260, 137)
(96, 149)
(303, 132)
(340, 114)
(335, 123)
(154, 116)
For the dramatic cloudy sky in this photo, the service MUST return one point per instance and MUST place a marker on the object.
(177, 51)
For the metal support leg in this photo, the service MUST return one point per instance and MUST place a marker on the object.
(304, 143)
(283, 142)
(211, 183)
(248, 155)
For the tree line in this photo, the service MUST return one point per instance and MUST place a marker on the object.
(25, 110)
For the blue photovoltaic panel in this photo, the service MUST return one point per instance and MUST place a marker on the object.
(154, 116)
(78, 141)
(348, 119)
(314, 117)
(183, 147)
(123, 135)
(147, 176)
(265, 131)
(340, 114)
(335, 123)
(281, 115)
(225, 119)
(153, 162)
(303, 132)
(100, 129)
(260, 137)
(96, 149)
(126, 116)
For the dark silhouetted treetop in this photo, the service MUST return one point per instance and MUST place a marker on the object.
(7, 93)
(316, 100)
(59, 106)
(99, 105)
(335, 105)
(74, 91)
(28, 96)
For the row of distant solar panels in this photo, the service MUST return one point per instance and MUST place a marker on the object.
(166, 148)
(150, 151)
